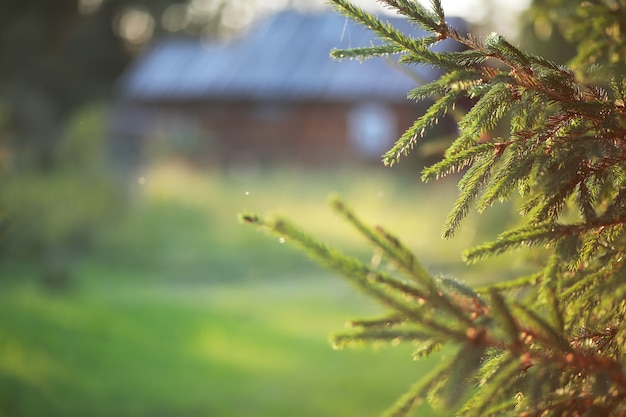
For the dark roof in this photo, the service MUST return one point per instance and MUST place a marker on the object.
(283, 57)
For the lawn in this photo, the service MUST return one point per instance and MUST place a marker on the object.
(179, 310)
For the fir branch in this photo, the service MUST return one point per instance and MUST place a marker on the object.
(387, 321)
(384, 30)
(499, 47)
(550, 291)
(367, 52)
(494, 389)
(438, 10)
(373, 282)
(417, 13)
(484, 115)
(576, 291)
(528, 113)
(502, 408)
(509, 172)
(547, 208)
(515, 284)
(415, 395)
(457, 162)
(566, 238)
(407, 262)
(568, 249)
(467, 361)
(428, 90)
(391, 246)
(585, 201)
(600, 239)
(393, 336)
(450, 61)
(455, 287)
(430, 118)
(564, 148)
(360, 274)
(469, 58)
(426, 348)
(617, 206)
(523, 236)
(504, 316)
(405, 288)
(543, 331)
(471, 185)
(457, 80)
(493, 362)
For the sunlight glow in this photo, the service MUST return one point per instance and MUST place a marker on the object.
(498, 15)
(135, 25)
(237, 15)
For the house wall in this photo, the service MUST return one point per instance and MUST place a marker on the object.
(310, 133)
(238, 132)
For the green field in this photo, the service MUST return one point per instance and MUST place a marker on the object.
(179, 310)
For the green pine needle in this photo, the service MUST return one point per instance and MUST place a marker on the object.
(548, 343)
(366, 52)
(406, 142)
(471, 186)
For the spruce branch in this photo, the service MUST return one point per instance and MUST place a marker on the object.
(552, 287)
(470, 186)
(407, 262)
(366, 52)
(384, 30)
(360, 274)
(438, 10)
(494, 389)
(543, 332)
(384, 322)
(428, 20)
(514, 284)
(426, 348)
(521, 237)
(390, 245)
(398, 295)
(406, 142)
(546, 344)
(495, 327)
(416, 393)
(458, 161)
(393, 336)
(464, 366)
(507, 176)
(502, 313)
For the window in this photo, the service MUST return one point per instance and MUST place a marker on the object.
(371, 129)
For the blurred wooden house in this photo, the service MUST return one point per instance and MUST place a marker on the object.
(273, 95)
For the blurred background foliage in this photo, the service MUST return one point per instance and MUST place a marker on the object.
(132, 291)
(58, 56)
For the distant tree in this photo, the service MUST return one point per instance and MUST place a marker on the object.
(543, 31)
(57, 56)
(551, 343)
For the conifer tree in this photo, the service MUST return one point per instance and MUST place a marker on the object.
(551, 343)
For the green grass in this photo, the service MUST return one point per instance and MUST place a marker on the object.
(179, 310)
(219, 350)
